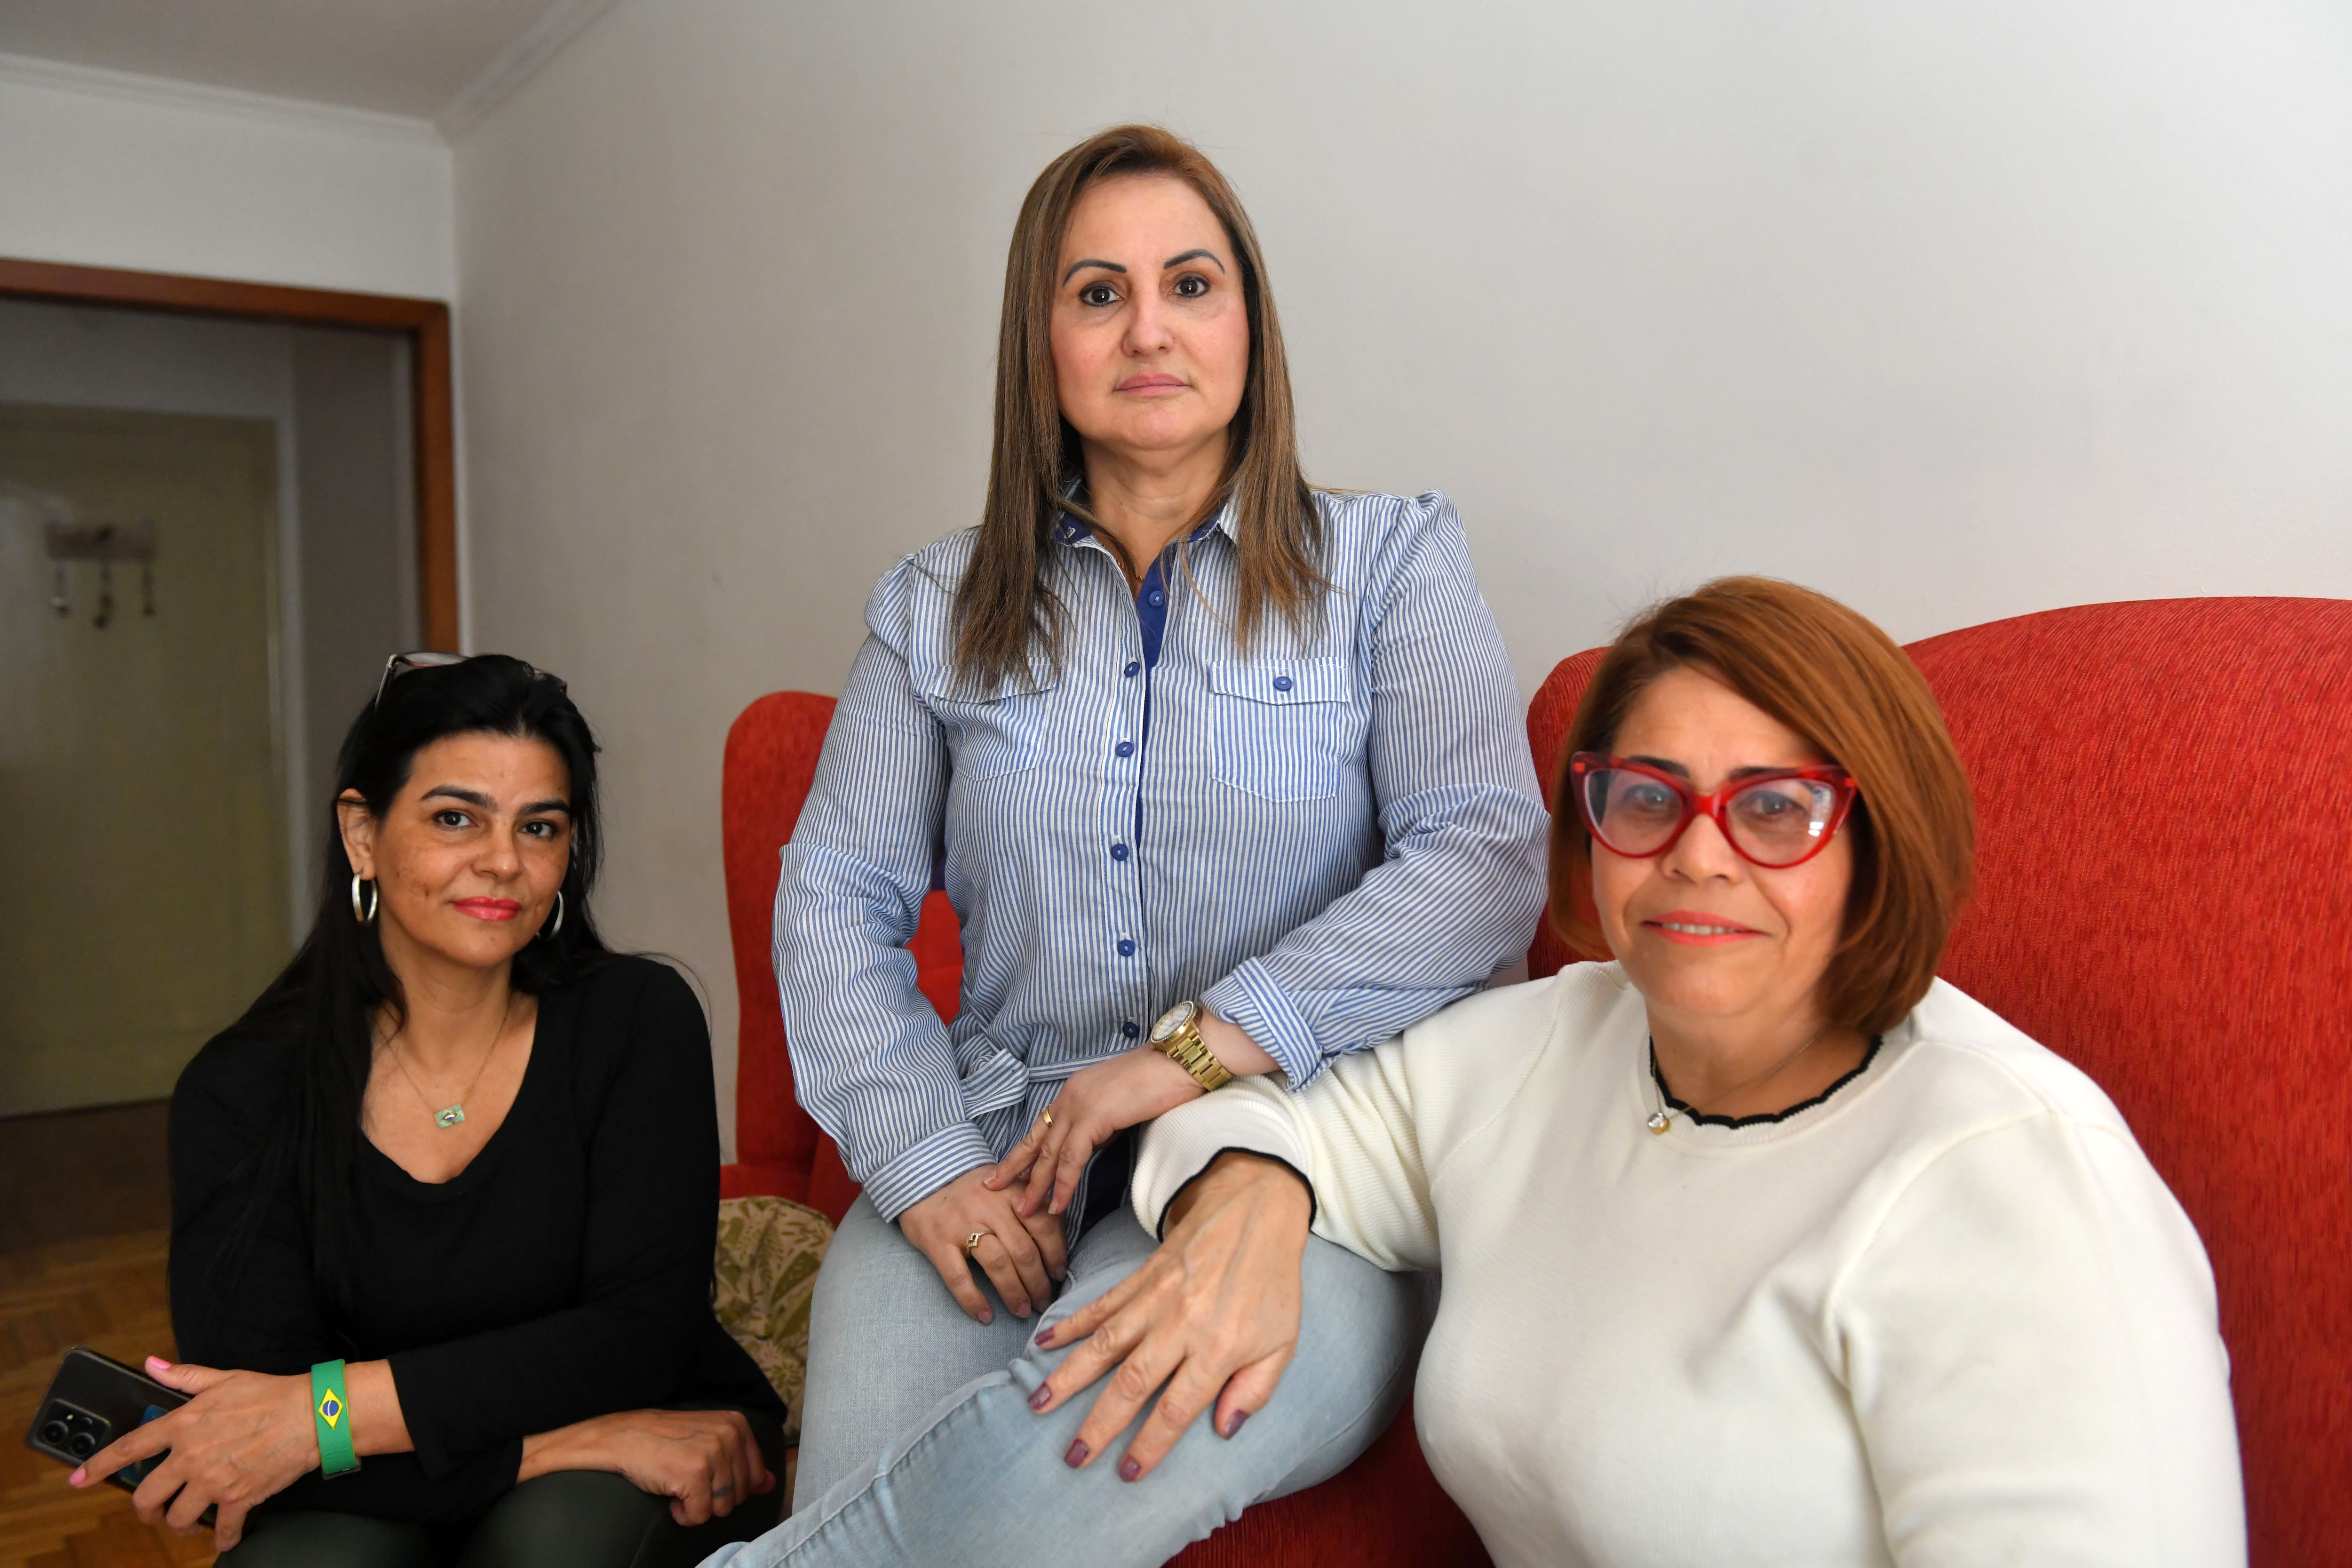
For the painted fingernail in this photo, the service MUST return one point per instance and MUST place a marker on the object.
(157, 1363)
(1077, 1455)
(80, 1477)
(1021, 1308)
(1129, 1469)
(1042, 1398)
(1045, 1335)
(986, 1316)
(1234, 1422)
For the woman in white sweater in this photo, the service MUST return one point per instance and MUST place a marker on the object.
(1760, 1244)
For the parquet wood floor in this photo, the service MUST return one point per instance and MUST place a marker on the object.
(106, 1292)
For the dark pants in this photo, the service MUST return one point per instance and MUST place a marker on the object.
(571, 1518)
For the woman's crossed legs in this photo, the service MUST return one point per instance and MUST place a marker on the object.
(978, 1477)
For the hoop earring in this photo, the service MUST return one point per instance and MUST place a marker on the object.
(375, 900)
(547, 931)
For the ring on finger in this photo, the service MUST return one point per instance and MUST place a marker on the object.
(1046, 1120)
(971, 1242)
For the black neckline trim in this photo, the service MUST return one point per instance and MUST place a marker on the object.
(1699, 1119)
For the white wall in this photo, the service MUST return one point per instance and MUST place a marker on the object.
(105, 170)
(1956, 311)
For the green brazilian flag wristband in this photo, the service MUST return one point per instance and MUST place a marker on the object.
(331, 1412)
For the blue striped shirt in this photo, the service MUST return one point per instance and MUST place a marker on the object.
(1324, 839)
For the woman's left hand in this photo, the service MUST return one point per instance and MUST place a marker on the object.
(244, 1436)
(1095, 1102)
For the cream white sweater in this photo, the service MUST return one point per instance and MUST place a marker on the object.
(1948, 1316)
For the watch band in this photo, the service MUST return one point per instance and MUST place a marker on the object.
(1187, 1050)
(331, 1412)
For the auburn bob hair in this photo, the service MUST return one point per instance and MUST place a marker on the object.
(1843, 685)
(1005, 607)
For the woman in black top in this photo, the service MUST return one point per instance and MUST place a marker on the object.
(462, 1147)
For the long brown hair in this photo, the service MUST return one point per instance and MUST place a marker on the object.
(1841, 683)
(1005, 607)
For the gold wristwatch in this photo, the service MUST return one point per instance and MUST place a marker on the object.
(1177, 1036)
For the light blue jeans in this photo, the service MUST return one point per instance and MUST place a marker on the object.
(891, 1471)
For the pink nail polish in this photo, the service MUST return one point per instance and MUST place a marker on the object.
(1039, 1400)
(1129, 1469)
(1021, 1308)
(157, 1363)
(1076, 1455)
(80, 1477)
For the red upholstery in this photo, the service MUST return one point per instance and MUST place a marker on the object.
(2163, 883)
(772, 755)
(1386, 1510)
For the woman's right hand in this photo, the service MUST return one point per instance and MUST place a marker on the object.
(1020, 1255)
(705, 1461)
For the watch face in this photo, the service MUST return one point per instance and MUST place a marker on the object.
(1173, 1019)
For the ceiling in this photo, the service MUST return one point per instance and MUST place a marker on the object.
(410, 57)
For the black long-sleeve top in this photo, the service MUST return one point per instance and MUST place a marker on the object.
(564, 1273)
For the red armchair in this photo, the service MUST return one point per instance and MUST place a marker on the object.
(2162, 898)
(1385, 1511)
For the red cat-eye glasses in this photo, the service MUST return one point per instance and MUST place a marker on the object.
(1775, 819)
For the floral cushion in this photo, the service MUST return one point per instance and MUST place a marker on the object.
(768, 1249)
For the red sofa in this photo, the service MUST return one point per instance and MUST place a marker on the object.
(2164, 887)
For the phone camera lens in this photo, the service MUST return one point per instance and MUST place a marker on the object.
(82, 1444)
(53, 1433)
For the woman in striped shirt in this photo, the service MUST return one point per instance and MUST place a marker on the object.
(1224, 776)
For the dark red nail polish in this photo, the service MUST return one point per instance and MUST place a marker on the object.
(1045, 1335)
(1234, 1422)
(1077, 1455)
(1129, 1469)
(1039, 1400)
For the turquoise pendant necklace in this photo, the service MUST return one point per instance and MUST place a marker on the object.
(449, 1116)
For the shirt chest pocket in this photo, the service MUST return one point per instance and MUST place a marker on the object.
(1284, 728)
(997, 734)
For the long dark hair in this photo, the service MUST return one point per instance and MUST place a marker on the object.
(338, 981)
(1005, 607)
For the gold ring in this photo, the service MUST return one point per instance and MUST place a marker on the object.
(972, 1241)
(1047, 1118)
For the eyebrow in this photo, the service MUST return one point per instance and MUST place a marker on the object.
(1078, 266)
(476, 797)
(1665, 766)
(1200, 255)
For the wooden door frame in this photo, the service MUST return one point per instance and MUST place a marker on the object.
(426, 323)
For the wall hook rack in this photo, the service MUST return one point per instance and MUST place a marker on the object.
(105, 544)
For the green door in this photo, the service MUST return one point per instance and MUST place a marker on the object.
(143, 879)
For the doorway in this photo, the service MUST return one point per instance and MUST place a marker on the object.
(221, 507)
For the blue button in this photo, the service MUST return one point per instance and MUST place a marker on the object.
(1128, 1029)
(1157, 598)
(1133, 669)
(1126, 948)
(1282, 683)
(1118, 851)
(1125, 748)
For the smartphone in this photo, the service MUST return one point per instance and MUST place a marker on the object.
(93, 1400)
